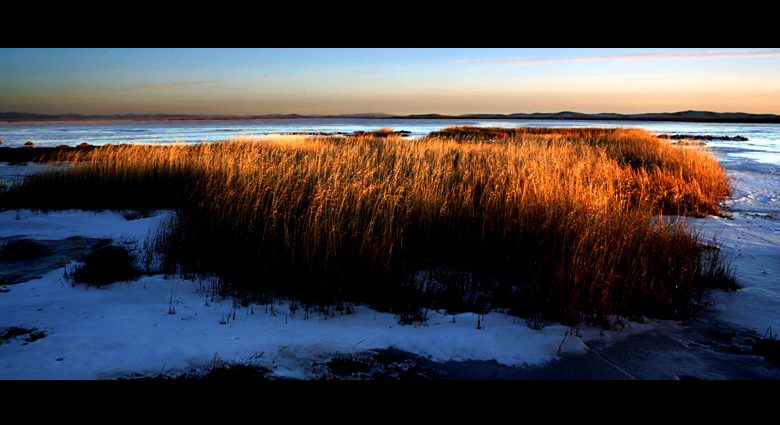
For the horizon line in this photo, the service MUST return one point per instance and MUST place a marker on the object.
(563, 111)
(692, 115)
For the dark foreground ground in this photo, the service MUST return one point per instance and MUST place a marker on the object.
(701, 349)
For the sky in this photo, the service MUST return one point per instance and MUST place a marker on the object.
(400, 81)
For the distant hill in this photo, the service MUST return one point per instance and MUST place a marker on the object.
(665, 116)
(23, 116)
(706, 114)
(671, 116)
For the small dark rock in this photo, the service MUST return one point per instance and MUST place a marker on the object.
(769, 349)
(36, 335)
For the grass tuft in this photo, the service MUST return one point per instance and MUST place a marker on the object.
(22, 249)
(103, 264)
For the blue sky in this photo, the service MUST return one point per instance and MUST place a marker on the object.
(394, 81)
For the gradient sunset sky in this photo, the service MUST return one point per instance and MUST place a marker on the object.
(384, 80)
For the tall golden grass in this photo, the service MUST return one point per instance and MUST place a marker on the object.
(561, 223)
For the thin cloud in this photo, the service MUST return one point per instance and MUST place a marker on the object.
(244, 80)
(169, 85)
(698, 54)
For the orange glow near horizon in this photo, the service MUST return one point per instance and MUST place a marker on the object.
(393, 81)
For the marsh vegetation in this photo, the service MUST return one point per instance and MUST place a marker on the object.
(549, 224)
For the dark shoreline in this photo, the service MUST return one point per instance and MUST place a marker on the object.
(23, 154)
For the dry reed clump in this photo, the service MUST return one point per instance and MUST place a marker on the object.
(555, 223)
(111, 177)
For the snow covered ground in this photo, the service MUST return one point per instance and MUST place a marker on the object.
(752, 237)
(155, 325)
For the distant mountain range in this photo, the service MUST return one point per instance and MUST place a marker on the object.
(672, 116)
(667, 116)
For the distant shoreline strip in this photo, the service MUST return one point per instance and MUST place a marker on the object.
(756, 120)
